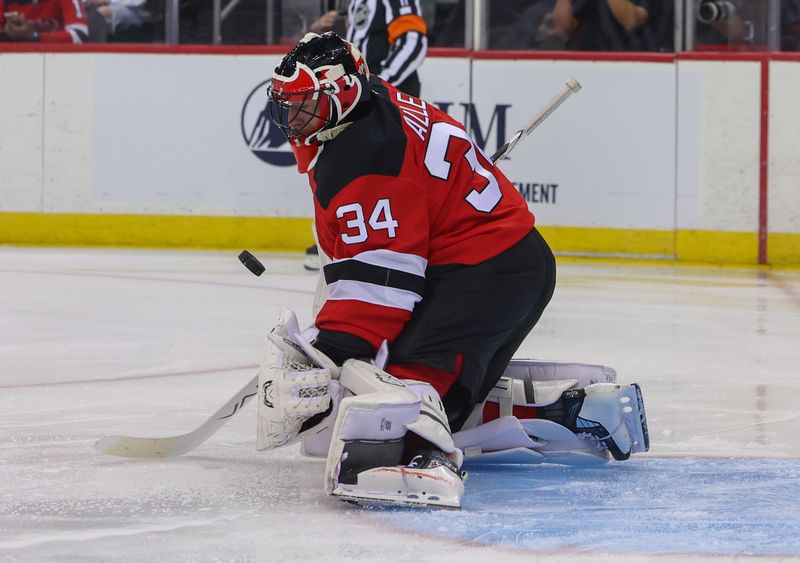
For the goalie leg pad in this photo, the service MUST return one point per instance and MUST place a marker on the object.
(366, 448)
(600, 419)
(515, 397)
(606, 415)
(379, 411)
(532, 382)
(431, 425)
(508, 440)
(536, 370)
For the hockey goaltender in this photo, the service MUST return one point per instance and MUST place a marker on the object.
(433, 275)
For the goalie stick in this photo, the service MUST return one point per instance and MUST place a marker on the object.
(170, 446)
(570, 88)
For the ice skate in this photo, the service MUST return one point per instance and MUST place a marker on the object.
(428, 480)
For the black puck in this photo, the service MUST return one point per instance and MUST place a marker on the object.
(251, 263)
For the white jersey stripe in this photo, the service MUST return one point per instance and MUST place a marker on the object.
(371, 293)
(409, 263)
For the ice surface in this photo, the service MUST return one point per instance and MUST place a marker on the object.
(101, 342)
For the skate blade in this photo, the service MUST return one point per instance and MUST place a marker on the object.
(369, 500)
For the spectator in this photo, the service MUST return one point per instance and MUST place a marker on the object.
(45, 21)
(448, 19)
(790, 25)
(125, 18)
(604, 25)
(511, 24)
(661, 25)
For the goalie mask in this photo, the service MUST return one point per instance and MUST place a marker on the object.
(316, 86)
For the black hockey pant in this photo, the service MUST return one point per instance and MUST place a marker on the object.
(475, 318)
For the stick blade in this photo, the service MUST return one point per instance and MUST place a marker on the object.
(129, 446)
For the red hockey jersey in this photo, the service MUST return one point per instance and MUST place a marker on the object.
(57, 21)
(400, 190)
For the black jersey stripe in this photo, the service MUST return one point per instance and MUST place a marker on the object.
(377, 275)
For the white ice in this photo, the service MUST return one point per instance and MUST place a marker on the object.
(102, 342)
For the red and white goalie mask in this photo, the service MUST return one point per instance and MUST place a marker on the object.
(317, 86)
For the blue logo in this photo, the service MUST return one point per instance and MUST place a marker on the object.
(262, 136)
(266, 141)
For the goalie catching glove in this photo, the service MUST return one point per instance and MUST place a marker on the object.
(297, 387)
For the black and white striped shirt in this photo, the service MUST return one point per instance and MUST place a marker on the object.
(391, 35)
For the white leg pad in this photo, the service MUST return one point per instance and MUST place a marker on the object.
(375, 419)
(508, 440)
(611, 421)
(430, 487)
(508, 393)
(380, 410)
(540, 370)
(432, 426)
(504, 433)
(432, 423)
(372, 417)
(524, 383)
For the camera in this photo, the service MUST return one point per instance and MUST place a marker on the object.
(710, 11)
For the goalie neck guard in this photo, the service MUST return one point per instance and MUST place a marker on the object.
(317, 87)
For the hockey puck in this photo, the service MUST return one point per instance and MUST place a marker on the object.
(251, 263)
